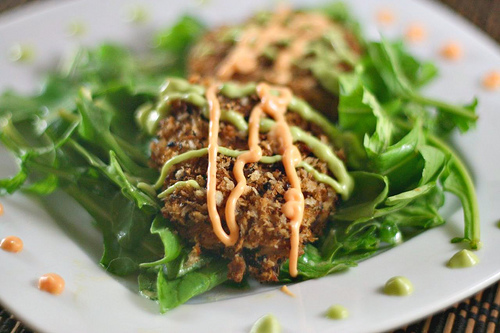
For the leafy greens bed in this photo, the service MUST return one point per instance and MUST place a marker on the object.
(79, 134)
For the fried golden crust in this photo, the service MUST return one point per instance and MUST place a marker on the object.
(206, 56)
(264, 241)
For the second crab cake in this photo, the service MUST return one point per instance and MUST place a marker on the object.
(305, 51)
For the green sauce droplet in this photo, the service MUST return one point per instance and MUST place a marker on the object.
(203, 2)
(76, 28)
(463, 259)
(21, 53)
(398, 286)
(266, 324)
(337, 312)
(498, 224)
(137, 14)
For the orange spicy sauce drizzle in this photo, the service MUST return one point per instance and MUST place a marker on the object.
(1, 209)
(51, 283)
(298, 31)
(275, 107)
(11, 244)
(254, 154)
(213, 135)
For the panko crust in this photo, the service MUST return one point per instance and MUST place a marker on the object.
(210, 51)
(264, 240)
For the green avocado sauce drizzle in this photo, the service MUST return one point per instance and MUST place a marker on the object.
(171, 189)
(148, 118)
(236, 119)
(320, 177)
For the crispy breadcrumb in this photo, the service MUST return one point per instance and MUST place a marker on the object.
(264, 241)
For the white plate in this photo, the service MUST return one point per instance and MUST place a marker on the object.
(97, 302)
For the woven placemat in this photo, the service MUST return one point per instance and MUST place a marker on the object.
(477, 314)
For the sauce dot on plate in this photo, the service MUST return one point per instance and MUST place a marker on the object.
(1, 209)
(266, 324)
(386, 16)
(137, 14)
(415, 33)
(398, 286)
(11, 244)
(451, 51)
(463, 259)
(491, 80)
(76, 28)
(337, 312)
(51, 283)
(21, 53)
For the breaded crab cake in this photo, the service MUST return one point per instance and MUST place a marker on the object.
(306, 51)
(193, 118)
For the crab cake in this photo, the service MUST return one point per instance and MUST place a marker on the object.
(306, 51)
(263, 237)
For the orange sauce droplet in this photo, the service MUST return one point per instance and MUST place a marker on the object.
(386, 16)
(491, 80)
(51, 283)
(11, 244)
(287, 291)
(451, 51)
(415, 33)
(1, 209)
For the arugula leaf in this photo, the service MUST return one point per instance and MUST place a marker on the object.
(355, 115)
(95, 129)
(79, 134)
(388, 61)
(14, 183)
(171, 242)
(370, 190)
(172, 293)
(381, 102)
(311, 265)
(457, 180)
(177, 39)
